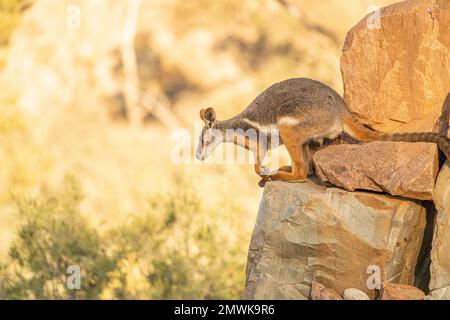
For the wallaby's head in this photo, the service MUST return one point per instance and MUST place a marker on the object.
(210, 137)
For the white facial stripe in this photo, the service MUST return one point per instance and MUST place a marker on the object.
(265, 129)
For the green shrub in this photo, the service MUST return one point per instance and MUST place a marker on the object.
(178, 249)
(52, 236)
(183, 250)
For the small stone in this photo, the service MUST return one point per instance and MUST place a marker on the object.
(320, 292)
(355, 294)
(394, 291)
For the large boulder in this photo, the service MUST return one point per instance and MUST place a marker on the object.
(400, 169)
(396, 69)
(440, 252)
(304, 229)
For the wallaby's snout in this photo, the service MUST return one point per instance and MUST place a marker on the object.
(199, 152)
(209, 140)
(210, 137)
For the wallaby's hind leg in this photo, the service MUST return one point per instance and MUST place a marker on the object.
(294, 145)
(307, 161)
(306, 158)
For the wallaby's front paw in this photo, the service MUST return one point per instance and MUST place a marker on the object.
(264, 171)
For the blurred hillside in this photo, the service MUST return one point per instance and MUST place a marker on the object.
(93, 89)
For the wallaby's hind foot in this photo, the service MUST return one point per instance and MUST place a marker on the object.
(266, 178)
(288, 177)
(262, 182)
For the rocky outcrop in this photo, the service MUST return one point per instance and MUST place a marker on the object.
(395, 69)
(304, 229)
(311, 241)
(393, 291)
(440, 252)
(400, 169)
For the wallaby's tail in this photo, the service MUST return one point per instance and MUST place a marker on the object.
(357, 130)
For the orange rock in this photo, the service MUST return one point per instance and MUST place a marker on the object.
(443, 123)
(393, 291)
(320, 292)
(395, 69)
(401, 169)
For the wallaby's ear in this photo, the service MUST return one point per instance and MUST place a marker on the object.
(208, 115)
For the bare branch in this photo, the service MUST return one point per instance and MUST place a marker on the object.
(295, 12)
(160, 108)
(131, 77)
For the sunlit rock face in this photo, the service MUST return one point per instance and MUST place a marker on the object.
(395, 65)
(304, 229)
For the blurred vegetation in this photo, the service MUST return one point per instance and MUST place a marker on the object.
(180, 250)
(175, 250)
(10, 12)
(52, 236)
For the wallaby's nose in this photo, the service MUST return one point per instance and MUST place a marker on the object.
(199, 155)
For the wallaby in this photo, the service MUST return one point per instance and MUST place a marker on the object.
(303, 112)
